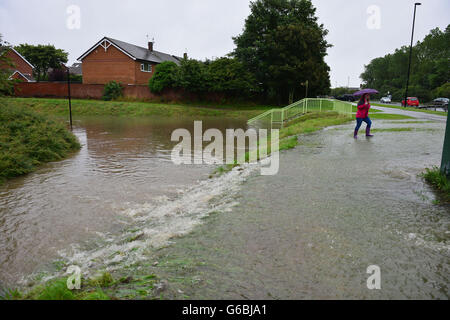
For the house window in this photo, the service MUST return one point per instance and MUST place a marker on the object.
(146, 67)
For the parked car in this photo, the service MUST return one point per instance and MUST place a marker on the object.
(441, 103)
(347, 97)
(385, 100)
(411, 101)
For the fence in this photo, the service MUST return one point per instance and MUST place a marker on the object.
(279, 116)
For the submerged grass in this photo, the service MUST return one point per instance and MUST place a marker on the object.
(438, 181)
(29, 139)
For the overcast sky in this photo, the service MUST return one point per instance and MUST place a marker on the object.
(205, 27)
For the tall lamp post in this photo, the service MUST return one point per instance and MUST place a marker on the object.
(410, 53)
(69, 97)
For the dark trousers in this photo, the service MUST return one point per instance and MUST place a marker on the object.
(359, 122)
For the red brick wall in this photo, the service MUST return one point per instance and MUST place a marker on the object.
(57, 90)
(100, 67)
(143, 77)
(95, 91)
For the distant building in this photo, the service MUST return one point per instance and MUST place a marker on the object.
(111, 59)
(22, 69)
(76, 69)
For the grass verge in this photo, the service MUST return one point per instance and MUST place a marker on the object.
(438, 181)
(29, 139)
(307, 123)
(135, 109)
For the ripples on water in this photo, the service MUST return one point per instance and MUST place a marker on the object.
(123, 164)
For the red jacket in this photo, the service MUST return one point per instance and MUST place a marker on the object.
(363, 110)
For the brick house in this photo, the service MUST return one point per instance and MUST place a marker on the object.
(111, 59)
(22, 69)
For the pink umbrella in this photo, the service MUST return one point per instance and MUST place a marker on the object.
(364, 91)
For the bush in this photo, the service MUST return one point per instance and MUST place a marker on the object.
(164, 77)
(443, 91)
(193, 76)
(113, 90)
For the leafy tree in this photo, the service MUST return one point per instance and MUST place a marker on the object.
(165, 77)
(283, 46)
(339, 91)
(43, 57)
(443, 91)
(430, 68)
(192, 76)
(228, 75)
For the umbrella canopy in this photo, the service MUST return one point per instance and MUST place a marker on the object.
(364, 91)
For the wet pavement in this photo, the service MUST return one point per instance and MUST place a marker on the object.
(337, 206)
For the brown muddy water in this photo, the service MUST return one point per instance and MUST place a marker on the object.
(124, 166)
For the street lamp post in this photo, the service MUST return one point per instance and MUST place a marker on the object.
(410, 53)
(69, 97)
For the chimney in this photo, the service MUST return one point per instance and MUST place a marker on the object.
(150, 45)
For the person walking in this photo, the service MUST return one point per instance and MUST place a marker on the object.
(362, 114)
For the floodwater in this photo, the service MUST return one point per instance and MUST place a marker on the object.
(123, 164)
(336, 207)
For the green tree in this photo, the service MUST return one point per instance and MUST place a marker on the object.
(165, 77)
(228, 75)
(430, 68)
(42, 57)
(283, 45)
(192, 76)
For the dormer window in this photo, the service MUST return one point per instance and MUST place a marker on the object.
(146, 67)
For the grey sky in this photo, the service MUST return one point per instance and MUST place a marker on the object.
(204, 27)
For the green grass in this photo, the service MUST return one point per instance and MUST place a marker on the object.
(29, 139)
(387, 116)
(135, 109)
(393, 129)
(312, 122)
(307, 123)
(438, 181)
(442, 113)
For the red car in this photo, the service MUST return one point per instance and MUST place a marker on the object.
(412, 101)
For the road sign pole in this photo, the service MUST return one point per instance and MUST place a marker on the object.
(445, 164)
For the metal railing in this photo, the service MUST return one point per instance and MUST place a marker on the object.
(279, 116)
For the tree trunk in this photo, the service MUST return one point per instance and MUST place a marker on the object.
(291, 96)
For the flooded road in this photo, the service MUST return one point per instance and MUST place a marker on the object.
(124, 164)
(336, 207)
